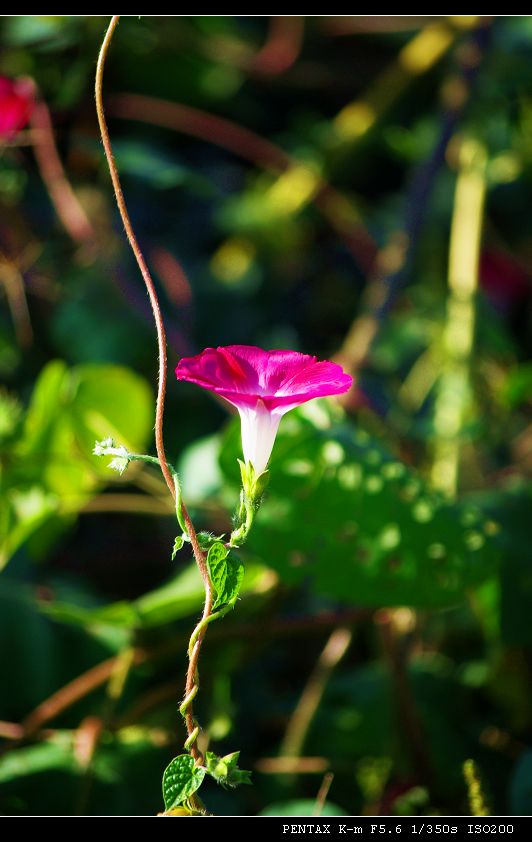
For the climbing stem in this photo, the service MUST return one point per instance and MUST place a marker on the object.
(145, 272)
(192, 680)
(168, 473)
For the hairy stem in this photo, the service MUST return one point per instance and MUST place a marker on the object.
(192, 682)
(168, 474)
(154, 301)
(244, 518)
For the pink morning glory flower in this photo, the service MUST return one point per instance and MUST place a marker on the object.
(16, 104)
(263, 385)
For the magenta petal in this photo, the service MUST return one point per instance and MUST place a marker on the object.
(245, 374)
(16, 104)
(263, 385)
(216, 369)
(272, 367)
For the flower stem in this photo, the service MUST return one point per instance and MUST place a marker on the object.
(245, 517)
(192, 683)
(161, 336)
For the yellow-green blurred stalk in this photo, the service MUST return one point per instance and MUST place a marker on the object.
(454, 399)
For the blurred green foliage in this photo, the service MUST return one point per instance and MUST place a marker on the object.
(51, 472)
(280, 227)
(389, 539)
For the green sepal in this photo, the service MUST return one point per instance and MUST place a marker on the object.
(225, 770)
(181, 779)
(253, 484)
(206, 540)
(178, 545)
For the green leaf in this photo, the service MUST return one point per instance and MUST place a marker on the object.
(180, 780)
(233, 581)
(40, 758)
(54, 472)
(178, 545)
(23, 512)
(46, 403)
(358, 524)
(47, 453)
(120, 615)
(178, 598)
(199, 470)
(109, 401)
(226, 572)
(181, 597)
(217, 566)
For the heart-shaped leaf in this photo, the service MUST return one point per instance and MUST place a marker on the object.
(226, 572)
(180, 780)
(217, 566)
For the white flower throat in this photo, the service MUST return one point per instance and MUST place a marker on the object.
(259, 429)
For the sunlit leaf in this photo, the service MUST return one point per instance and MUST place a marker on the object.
(52, 472)
(181, 779)
(361, 526)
